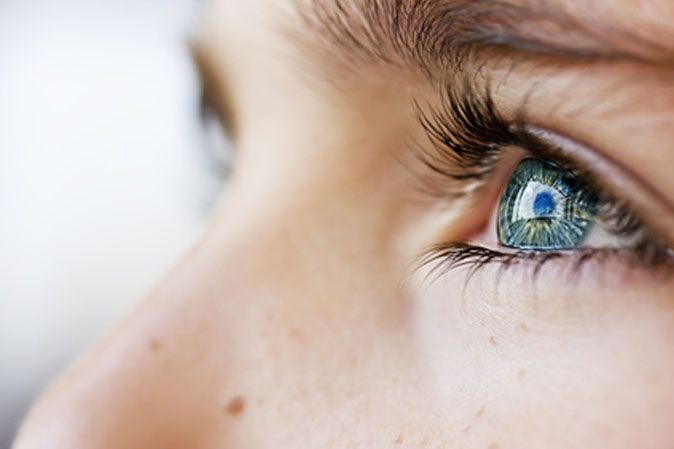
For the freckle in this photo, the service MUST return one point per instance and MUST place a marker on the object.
(492, 342)
(154, 345)
(236, 406)
(493, 446)
(480, 413)
(521, 375)
(467, 428)
(297, 335)
(522, 328)
(400, 439)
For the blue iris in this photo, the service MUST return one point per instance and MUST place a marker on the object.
(545, 208)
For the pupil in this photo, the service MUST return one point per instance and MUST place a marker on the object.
(544, 204)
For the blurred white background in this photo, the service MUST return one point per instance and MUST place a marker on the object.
(103, 183)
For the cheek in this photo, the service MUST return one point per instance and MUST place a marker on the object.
(529, 363)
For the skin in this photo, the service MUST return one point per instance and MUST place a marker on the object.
(301, 320)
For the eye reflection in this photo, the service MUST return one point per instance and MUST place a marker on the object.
(545, 208)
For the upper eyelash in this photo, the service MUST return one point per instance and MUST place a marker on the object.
(467, 133)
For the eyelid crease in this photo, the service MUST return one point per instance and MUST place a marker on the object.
(576, 150)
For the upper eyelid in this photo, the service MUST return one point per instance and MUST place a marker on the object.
(575, 149)
(618, 112)
(451, 126)
(613, 180)
(587, 165)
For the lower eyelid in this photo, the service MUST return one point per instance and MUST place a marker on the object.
(557, 295)
(607, 266)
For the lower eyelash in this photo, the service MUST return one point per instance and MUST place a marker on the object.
(445, 258)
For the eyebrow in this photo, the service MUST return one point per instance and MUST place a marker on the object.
(439, 34)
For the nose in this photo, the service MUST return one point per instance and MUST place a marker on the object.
(165, 377)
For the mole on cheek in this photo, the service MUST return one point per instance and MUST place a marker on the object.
(236, 406)
(154, 345)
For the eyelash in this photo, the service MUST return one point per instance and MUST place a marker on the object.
(468, 138)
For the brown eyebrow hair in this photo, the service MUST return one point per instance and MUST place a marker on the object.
(439, 34)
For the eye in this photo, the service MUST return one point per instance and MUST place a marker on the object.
(218, 146)
(216, 118)
(545, 207)
(215, 152)
(553, 207)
